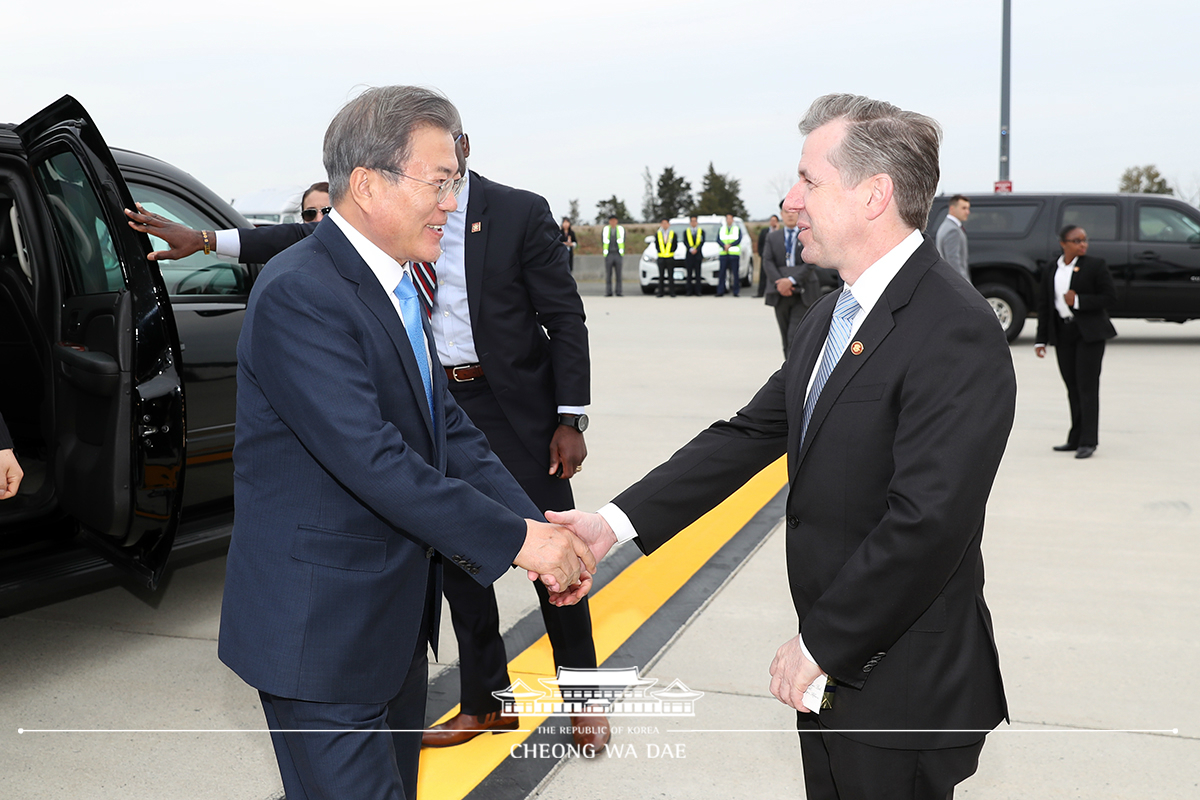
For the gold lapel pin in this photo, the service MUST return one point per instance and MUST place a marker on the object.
(856, 348)
(476, 227)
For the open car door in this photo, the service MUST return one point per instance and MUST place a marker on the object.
(118, 452)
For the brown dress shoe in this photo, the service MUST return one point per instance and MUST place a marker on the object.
(590, 730)
(465, 727)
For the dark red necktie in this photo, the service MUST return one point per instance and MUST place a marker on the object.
(426, 284)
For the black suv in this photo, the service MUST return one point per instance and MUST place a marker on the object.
(100, 348)
(1150, 242)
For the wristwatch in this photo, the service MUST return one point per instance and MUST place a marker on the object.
(577, 421)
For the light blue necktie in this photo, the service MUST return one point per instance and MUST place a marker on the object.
(835, 345)
(410, 309)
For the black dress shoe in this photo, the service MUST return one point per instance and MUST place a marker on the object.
(1085, 451)
(1065, 448)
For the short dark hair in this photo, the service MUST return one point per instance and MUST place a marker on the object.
(319, 186)
(375, 129)
(773, 216)
(959, 197)
(1065, 232)
(612, 216)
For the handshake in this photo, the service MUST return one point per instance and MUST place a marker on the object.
(563, 553)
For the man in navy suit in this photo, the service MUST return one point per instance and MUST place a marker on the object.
(356, 471)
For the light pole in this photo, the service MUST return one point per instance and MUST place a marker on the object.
(1004, 184)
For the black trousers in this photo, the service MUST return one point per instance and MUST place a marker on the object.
(837, 768)
(666, 275)
(360, 750)
(789, 311)
(483, 662)
(692, 280)
(1079, 364)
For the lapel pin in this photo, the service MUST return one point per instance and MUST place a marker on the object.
(1076, 269)
(476, 227)
(856, 348)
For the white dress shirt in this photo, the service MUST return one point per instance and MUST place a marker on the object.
(1062, 284)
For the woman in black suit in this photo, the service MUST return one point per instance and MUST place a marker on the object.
(1073, 300)
(568, 239)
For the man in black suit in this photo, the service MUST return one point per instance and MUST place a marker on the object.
(894, 408)
(693, 255)
(1072, 315)
(664, 242)
(509, 329)
(792, 284)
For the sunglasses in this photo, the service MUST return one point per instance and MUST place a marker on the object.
(309, 214)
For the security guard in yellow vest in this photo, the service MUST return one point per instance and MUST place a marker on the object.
(666, 240)
(731, 251)
(613, 246)
(693, 255)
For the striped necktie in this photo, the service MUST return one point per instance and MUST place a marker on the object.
(406, 293)
(839, 335)
(425, 277)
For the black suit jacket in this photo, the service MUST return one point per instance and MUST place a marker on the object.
(1095, 290)
(688, 256)
(6, 441)
(526, 314)
(774, 264)
(672, 241)
(885, 504)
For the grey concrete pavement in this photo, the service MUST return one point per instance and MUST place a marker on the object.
(1092, 582)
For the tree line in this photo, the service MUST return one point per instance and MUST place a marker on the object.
(671, 196)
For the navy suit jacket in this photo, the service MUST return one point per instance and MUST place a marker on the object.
(885, 503)
(527, 318)
(345, 487)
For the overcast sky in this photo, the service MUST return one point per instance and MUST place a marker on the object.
(574, 100)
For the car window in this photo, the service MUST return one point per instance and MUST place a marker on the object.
(1162, 224)
(1007, 219)
(91, 257)
(198, 274)
(1098, 219)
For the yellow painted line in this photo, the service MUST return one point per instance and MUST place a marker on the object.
(618, 610)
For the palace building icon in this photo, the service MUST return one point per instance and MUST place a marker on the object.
(608, 691)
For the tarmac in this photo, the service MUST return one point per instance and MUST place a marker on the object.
(1092, 570)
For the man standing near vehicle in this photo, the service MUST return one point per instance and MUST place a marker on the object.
(731, 237)
(665, 240)
(693, 255)
(612, 245)
(952, 239)
(792, 285)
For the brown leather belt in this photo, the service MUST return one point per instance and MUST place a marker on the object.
(464, 373)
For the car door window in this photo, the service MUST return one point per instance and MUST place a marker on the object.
(1098, 219)
(1162, 224)
(91, 257)
(198, 274)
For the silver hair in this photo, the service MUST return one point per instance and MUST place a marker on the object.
(883, 139)
(374, 130)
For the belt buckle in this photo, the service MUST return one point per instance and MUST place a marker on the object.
(454, 373)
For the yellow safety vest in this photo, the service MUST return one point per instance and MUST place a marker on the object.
(728, 236)
(664, 244)
(693, 241)
(620, 238)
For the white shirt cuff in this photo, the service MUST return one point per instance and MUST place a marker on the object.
(793, 280)
(620, 523)
(816, 690)
(229, 243)
(576, 410)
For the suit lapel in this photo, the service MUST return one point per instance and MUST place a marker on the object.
(871, 334)
(475, 242)
(351, 266)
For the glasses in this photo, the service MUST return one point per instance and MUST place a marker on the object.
(444, 188)
(309, 214)
(1076, 241)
